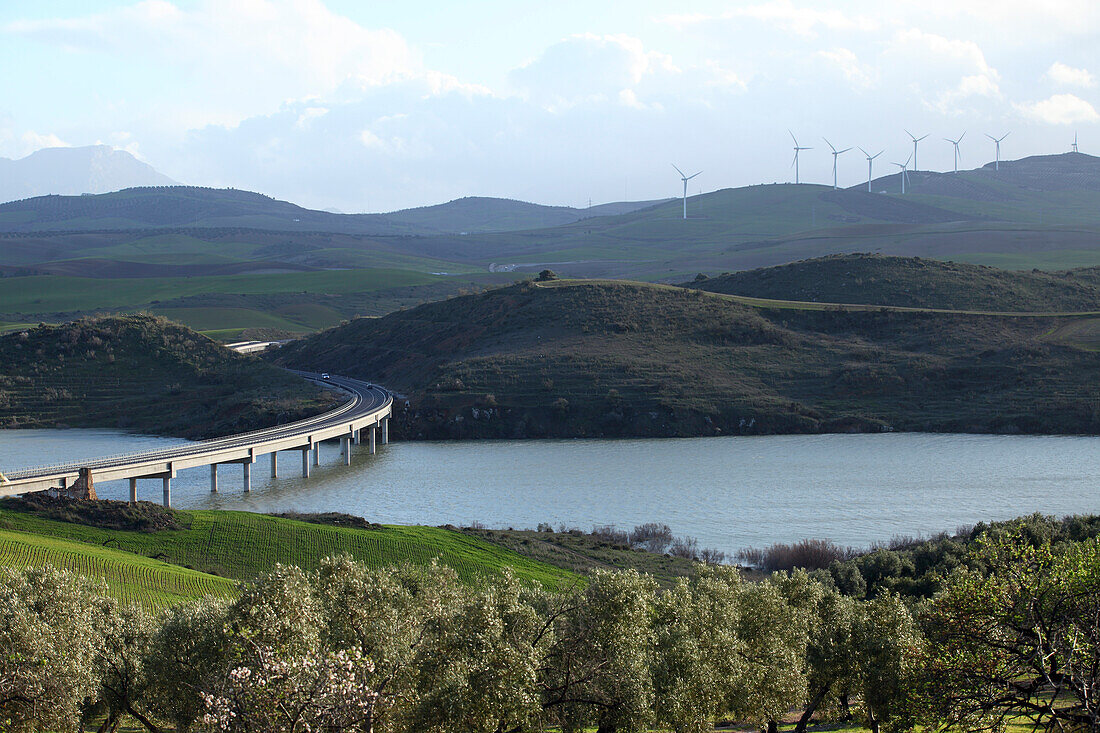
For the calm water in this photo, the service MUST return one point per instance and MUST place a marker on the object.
(728, 492)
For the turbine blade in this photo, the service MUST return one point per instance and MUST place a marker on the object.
(962, 136)
(828, 143)
(693, 175)
(864, 152)
(920, 138)
(792, 137)
(678, 170)
(1007, 134)
(909, 134)
(992, 138)
(845, 150)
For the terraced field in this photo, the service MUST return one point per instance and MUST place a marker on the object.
(132, 579)
(241, 545)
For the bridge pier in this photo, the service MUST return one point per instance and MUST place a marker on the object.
(346, 449)
(167, 491)
(213, 478)
(371, 438)
(358, 436)
(385, 430)
(317, 453)
(274, 464)
(305, 461)
(247, 476)
(133, 491)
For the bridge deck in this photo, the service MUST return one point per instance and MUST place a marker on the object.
(368, 407)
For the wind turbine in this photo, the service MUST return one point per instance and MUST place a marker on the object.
(904, 172)
(685, 179)
(956, 144)
(796, 149)
(997, 142)
(1074, 147)
(836, 153)
(915, 141)
(870, 162)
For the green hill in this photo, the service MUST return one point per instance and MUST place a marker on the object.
(615, 358)
(911, 282)
(241, 545)
(480, 214)
(146, 374)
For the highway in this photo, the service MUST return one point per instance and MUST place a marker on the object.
(367, 408)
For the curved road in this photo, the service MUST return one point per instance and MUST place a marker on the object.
(368, 406)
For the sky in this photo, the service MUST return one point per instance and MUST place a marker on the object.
(364, 106)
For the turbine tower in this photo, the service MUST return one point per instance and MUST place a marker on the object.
(685, 179)
(1074, 146)
(836, 153)
(997, 142)
(904, 173)
(956, 144)
(796, 149)
(870, 162)
(915, 141)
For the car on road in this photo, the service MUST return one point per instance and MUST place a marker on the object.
(324, 375)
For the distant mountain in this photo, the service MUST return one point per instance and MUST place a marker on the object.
(478, 214)
(73, 171)
(196, 207)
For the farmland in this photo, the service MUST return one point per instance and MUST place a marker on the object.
(241, 546)
(131, 578)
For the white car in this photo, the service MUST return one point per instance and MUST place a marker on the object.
(324, 375)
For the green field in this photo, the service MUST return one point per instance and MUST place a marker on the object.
(131, 578)
(241, 545)
(42, 294)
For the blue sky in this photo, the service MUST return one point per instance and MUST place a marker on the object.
(365, 106)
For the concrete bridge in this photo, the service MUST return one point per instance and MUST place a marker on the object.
(367, 409)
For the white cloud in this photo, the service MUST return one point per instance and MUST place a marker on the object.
(1068, 76)
(802, 20)
(1060, 109)
(590, 68)
(249, 56)
(858, 74)
(950, 73)
(35, 141)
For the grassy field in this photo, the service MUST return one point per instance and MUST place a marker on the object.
(131, 578)
(241, 545)
(53, 293)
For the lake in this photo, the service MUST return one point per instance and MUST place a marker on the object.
(729, 492)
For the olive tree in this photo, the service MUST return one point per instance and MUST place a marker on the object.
(48, 647)
(698, 649)
(391, 617)
(479, 673)
(890, 649)
(1022, 639)
(597, 669)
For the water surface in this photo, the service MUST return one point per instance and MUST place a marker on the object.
(729, 492)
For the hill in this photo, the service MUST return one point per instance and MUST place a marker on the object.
(145, 374)
(74, 171)
(478, 214)
(911, 282)
(576, 359)
(242, 545)
(196, 207)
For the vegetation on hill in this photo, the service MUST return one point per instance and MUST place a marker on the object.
(911, 282)
(143, 373)
(242, 546)
(605, 358)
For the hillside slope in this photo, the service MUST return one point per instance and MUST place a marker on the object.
(242, 545)
(910, 282)
(601, 358)
(145, 374)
